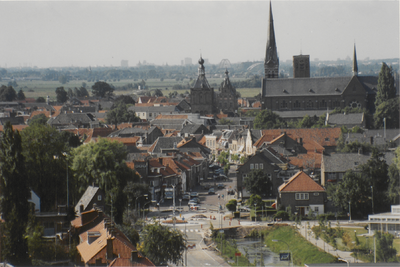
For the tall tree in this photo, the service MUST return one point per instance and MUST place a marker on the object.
(20, 95)
(388, 111)
(45, 162)
(102, 89)
(14, 196)
(162, 244)
(40, 119)
(385, 251)
(61, 95)
(258, 183)
(103, 163)
(7, 93)
(386, 89)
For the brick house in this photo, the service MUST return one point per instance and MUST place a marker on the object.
(303, 195)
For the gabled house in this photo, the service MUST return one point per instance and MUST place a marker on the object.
(75, 120)
(93, 196)
(303, 195)
(270, 163)
(102, 244)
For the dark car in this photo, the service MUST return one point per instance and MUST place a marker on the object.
(211, 191)
(221, 186)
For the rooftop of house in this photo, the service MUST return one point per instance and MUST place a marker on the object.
(301, 182)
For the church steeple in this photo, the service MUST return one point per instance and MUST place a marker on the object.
(355, 66)
(271, 64)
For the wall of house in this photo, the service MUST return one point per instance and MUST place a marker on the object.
(315, 200)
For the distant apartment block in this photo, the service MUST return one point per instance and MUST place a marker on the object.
(124, 63)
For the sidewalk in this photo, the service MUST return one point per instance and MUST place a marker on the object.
(320, 243)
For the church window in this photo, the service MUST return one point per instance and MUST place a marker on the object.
(323, 104)
(283, 104)
(355, 104)
(309, 104)
(297, 104)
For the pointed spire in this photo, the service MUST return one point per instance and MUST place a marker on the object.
(355, 66)
(271, 64)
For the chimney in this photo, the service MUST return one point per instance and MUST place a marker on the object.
(134, 256)
(109, 249)
(81, 208)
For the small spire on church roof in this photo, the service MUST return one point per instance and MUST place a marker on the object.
(355, 65)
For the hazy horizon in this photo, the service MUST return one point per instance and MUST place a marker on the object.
(88, 33)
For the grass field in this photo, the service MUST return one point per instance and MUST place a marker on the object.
(302, 251)
(39, 88)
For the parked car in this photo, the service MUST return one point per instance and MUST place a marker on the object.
(206, 186)
(186, 196)
(193, 194)
(196, 200)
(244, 208)
(221, 186)
(211, 191)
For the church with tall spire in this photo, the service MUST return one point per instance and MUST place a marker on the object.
(311, 95)
(271, 63)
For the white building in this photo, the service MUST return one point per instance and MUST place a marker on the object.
(387, 222)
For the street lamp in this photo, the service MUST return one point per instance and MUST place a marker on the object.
(180, 205)
(349, 211)
(255, 212)
(372, 198)
(278, 240)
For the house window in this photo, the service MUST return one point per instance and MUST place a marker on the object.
(316, 194)
(251, 166)
(261, 166)
(99, 198)
(256, 165)
(327, 139)
(244, 175)
(302, 196)
(316, 209)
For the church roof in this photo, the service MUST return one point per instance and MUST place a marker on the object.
(201, 82)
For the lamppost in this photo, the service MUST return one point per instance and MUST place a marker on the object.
(173, 199)
(180, 205)
(291, 258)
(158, 206)
(372, 198)
(349, 211)
(255, 212)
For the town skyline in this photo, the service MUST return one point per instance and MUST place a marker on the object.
(79, 34)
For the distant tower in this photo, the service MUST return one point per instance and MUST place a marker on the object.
(202, 94)
(271, 63)
(301, 66)
(355, 66)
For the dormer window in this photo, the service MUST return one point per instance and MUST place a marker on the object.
(355, 163)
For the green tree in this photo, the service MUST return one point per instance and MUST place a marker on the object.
(258, 183)
(385, 251)
(40, 119)
(388, 111)
(225, 121)
(231, 205)
(44, 148)
(14, 196)
(267, 119)
(125, 99)
(121, 114)
(62, 96)
(157, 92)
(103, 163)
(386, 88)
(254, 199)
(20, 95)
(162, 244)
(7, 93)
(102, 89)
(40, 99)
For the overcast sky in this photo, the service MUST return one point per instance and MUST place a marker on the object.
(89, 33)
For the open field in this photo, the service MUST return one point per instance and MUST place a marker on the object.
(37, 88)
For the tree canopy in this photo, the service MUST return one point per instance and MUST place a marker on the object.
(388, 111)
(20, 95)
(14, 196)
(103, 163)
(121, 114)
(7, 93)
(162, 244)
(266, 119)
(40, 119)
(102, 89)
(258, 183)
(386, 88)
(44, 148)
(61, 95)
(357, 187)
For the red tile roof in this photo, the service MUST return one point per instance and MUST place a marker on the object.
(301, 182)
(310, 160)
